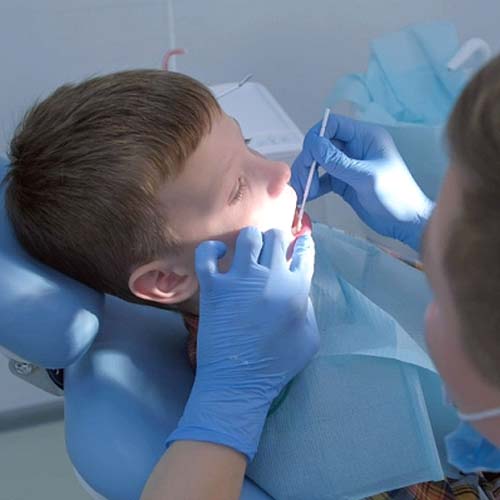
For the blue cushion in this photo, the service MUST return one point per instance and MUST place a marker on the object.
(45, 317)
(124, 398)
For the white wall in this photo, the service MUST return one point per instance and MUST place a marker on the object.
(45, 43)
(298, 48)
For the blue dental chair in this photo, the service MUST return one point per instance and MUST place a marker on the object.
(126, 376)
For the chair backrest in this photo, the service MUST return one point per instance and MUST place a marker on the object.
(45, 317)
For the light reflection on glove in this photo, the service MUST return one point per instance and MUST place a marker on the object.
(257, 330)
(365, 168)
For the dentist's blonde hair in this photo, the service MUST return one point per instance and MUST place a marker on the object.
(87, 164)
(472, 259)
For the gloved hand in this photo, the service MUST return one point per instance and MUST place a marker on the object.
(365, 168)
(257, 330)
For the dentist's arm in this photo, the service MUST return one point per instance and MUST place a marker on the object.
(257, 330)
(365, 168)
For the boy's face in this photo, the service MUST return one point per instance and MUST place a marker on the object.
(223, 187)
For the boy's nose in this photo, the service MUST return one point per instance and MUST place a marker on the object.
(279, 177)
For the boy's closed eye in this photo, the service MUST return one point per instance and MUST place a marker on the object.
(239, 191)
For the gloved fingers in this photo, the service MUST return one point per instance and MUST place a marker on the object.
(338, 127)
(325, 184)
(305, 337)
(339, 144)
(336, 185)
(297, 181)
(341, 128)
(314, 192)
(304, 159)
(335, 161)
(248, 248)
(313, 341)
(303, 257)
(206, 259)
(348, 130)
(300, 171)
(315, 187)
(273, 249)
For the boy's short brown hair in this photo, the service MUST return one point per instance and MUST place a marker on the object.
(86, 166)
(472, 259)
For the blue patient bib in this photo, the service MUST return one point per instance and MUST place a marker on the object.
(357, 421)
(408, 88)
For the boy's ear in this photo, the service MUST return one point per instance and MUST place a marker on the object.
(158, 282)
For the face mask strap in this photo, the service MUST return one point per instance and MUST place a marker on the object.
(480, 415)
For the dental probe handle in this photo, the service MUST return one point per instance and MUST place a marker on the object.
(311, 172)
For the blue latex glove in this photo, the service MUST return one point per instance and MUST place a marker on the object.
(365, 168)
(257, 330)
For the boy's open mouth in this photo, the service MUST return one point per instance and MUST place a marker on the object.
(305, 229)
(306, 225)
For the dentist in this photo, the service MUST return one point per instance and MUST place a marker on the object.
(459, 244)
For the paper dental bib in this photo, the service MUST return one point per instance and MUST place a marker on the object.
(362, 418)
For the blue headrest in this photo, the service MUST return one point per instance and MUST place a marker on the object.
(45, 317)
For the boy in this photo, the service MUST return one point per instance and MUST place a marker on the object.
(141, 250)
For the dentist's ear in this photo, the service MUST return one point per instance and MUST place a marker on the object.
(157, 282)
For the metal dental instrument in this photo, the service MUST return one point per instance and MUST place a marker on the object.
(235, 87)
(311, 173)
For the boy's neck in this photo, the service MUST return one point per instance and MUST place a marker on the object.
(191, 305)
